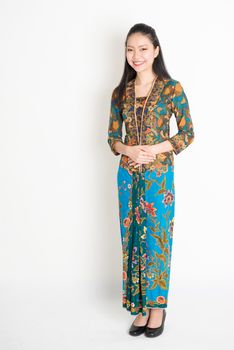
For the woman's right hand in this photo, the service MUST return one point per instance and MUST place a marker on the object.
(140, 154)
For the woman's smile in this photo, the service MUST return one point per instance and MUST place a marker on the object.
(138, 64)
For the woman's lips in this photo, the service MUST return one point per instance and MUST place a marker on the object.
(138, 64)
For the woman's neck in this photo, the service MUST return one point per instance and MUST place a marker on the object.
(144, 78)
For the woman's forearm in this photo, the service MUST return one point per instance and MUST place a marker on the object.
(121, 148)
(161, 147)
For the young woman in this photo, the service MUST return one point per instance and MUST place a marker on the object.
(144, 101)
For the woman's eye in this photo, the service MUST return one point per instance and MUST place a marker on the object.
(131, 49)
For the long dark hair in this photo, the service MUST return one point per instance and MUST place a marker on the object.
(158, 66)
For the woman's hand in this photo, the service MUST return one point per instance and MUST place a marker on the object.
(141, 154)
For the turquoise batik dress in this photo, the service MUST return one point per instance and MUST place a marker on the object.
(147, 196)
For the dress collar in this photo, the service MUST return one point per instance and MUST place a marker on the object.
(153, 97)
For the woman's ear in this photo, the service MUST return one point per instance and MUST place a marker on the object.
(156, 52)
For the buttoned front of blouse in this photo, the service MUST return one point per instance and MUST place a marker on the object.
(167, 98)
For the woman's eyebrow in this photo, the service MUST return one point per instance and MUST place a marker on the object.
(138, 46)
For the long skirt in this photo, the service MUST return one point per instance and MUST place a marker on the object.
(146, 213)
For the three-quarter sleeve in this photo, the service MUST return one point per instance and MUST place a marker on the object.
(115, 123)
(180, 108)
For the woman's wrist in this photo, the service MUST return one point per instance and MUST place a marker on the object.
(126, 149)
(164, 146)
(121, 148)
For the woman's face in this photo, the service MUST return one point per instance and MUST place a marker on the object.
(140, 52)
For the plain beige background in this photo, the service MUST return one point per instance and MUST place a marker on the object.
(60, 250)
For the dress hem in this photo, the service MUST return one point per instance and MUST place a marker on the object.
(129, 309)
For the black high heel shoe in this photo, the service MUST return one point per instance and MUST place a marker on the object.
(154, 332)
(137, 330)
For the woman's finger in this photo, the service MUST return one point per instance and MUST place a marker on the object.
(148, 155)
(142, 162)
(135, 164)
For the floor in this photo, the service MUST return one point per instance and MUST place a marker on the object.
(54, 316)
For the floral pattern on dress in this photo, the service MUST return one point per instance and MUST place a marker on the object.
(147, 196)
(146, 212)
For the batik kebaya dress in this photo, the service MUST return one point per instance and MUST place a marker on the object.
(147, 195)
